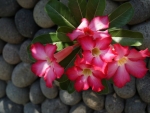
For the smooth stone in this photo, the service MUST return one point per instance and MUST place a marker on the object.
(2, 44)
(23, 53)
(50, 93)
(32, 108)
(120, 0)
(7, 106)
(11, 53)
(135, 105)
(9, 32)
(2, 88)
(22, 75)
(28, 4)
(148, 108)
(40, 16)
(141, 11)
(80, 108)
(114, 104)
(101, 111)
(8, 8)
(69, 99)
(54, 106)
(65, 2)
(25, 23)
(36, 96)
(16, 94)
(5, 69)
(93, 100)
(128, 90)
(143, 88)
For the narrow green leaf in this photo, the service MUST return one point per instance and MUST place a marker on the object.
(65, 29)
(122, 15)
(78, 9)
(126, 37)
(60, 14)
(95, 8)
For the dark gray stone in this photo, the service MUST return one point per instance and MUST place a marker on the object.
(8, 8)
(69, 99)
(114, 104)
(65, 2)
(54, 106)
(11, 53)
(2, 88)
(25, 23)
(7, 106)
(5, 69)
(27, 3)
(120, 0)
(2, 44)
(135, 105)
(93, 100)
(101, 111)
(8, 31)
(32, 108)
(36, 95)
(148, 108)
(16, 94)
(22, 75)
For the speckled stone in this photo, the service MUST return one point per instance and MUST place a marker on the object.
(8, 31)
(32, 108)
(54, 106)
(11, 53)
(16, 94)
(40, 16)
(22, 75)
(27, 3)
(2, 88)
(2, 44)
(93, 100)
(25, 23)
(8, 8)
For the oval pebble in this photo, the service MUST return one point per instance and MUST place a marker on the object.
(28, 4)
(32, 108)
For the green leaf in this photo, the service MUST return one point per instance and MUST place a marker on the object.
(29, 54)
(78, 9)
(95, 8)
(122, 15)
(60, 14)
(65, 29)
(126, 37)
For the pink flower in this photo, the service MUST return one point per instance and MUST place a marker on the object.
(92, 28)
(85, 76)
(127, 62)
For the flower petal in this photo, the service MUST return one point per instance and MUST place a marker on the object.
(75, 34)
(87, 55)
(72, 73)
(112, 68)
(50, 50)
(145, 53)
(84, 24)
(58, 69)
(101, 34)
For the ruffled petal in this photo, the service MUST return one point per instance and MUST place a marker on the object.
(58, 69)
(145, 53)
(50, 50)
(101, 34)
(135, 55)
(99, 23)
(72, 73)
(84, 24)
(112, 68)
(75, 34)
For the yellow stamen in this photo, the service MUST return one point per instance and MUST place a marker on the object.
(95, 52)
(122, 61)
(87, 72)
(48, 60)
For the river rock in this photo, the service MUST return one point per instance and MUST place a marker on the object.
(5, 69)
(25, 23)
(36, 96)
(2, 88)
(22, 75)
(114, 104)
(16, 94)
(54, 106)
(2, 44)
(8, 8)
(40, 16)
(11, 53)
(27, 3)
(101, 111)
(9, 32)
(93, 100)
(32, 108)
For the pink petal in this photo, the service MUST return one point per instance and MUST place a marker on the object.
(38, 51)
(145, 53)
(136, 68)
(72, 73)
(58, 70)
(98, 73)
(75, 34)
(39, 68)
(87, 55)
(99, 23)
(135, 55)
(112, 68)
(50, 50)
(101, 34)
(84, 23)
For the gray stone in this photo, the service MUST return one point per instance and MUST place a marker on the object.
(80, 108)
(128, 90)
(65, 2)
(120, 0)
(135, 105)
(25, 23)
(8, 8)
(5, 69)
(101, 111)
(32, 108)
(22, 75)
(11, 53)
(69, 99)
(16, 94)
(40, 16)
(27, 3)
(2, 44)
(143, 88)
(93, 100)
(7, 106)
(148, 108)
(2, 88)
(50, 93)
(9, 32)
(54, 106)
(114, 104)
(36, 96)
(141, 11)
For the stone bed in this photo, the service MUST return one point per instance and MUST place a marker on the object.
(22, 92)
